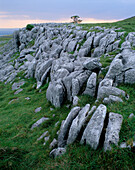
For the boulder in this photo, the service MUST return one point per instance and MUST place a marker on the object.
(68, 83)
(75, 87)
(107, 91)
(112, 99)
(92, 64)
(53, 144)
(75, 100)
(97, 39)
(39, 122)
(71, 46)
(115, 68)
(16, 86)
(66, 125)
(112, 131)
(57, 152)
(91, 85)
(92, 133)
(84, 52)
(55, 94)
(130, 76)
(41, 68)
(78, 123)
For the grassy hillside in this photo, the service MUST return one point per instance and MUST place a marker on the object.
(4, 40)
(127, 25)
(19, 148)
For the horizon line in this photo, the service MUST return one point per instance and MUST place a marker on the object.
(22, 23)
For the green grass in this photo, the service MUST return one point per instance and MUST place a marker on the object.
(81, 44)
(125, 109)
(16, 120)
(15, 56)
(19, 148)
(72, 52)
(127, 25)
(30, 44)
(105, 61)
(4, 40)
(54, 38)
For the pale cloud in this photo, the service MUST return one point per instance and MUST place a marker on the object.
(22, 23)
(3, 12)
(13, 16)
(93, 20)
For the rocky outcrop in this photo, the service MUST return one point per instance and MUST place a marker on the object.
(91, 127)
(64, 55)
(122, 68)
(68, 59)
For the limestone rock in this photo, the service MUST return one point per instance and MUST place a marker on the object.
(91, 85)
(124, 145)
(55, 94)
(53, 144)
(66, 125)
(131, 116)
(39, 122)
(112, 131)
(18, 91)
(46, 139)
(16, 86)
(107, 91)
(75, 87)
(41, 68)
(38, 109)
(92, 64)
(78, 123)
(92, 133)
(75, 100)
(130, 76)
(71, 46)
(57, 152)
(83, 52)
(112, 99)
(43, 135)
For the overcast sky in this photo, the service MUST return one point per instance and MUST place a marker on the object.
(17, 13)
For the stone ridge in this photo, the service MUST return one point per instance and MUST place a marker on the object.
(69, 59)
(69, 56)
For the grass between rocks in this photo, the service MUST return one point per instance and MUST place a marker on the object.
(19, 148)
(18, 143)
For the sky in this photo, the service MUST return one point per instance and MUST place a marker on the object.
(19, 13)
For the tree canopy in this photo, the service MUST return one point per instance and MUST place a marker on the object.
(76, 19)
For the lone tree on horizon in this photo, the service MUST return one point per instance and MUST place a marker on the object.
(76, 19)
